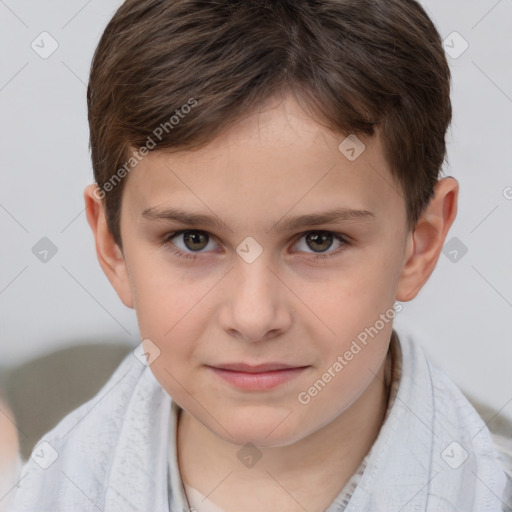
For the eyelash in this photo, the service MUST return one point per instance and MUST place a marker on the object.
(318, 257)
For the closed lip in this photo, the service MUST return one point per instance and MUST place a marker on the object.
(259, 368)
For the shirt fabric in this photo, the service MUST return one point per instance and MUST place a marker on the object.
(117, 451)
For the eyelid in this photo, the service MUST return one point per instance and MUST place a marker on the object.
(166, 239)
(341, 237)
(334, 233)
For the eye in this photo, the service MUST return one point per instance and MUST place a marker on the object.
(320, 241)
(196, 241)
(193, 240)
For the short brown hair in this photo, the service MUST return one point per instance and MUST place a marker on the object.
(357, 65)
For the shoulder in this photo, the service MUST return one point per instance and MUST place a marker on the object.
(500, 428)
(79, 447)
(452, 423)
(503, 445)
(448, 397)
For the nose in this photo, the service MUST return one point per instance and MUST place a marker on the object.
(257, 306)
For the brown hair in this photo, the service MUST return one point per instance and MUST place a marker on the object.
(177, 72)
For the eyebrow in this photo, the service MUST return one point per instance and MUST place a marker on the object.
(190, 218)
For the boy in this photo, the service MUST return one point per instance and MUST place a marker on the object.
(298, 144)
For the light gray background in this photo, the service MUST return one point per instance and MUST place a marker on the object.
(462, 316)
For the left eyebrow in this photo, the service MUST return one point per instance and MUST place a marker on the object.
(334, 216)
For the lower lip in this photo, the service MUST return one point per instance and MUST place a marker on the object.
(258, 381)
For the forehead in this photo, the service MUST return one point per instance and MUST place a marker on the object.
(274, 161)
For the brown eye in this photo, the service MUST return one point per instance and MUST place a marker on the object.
(195, 240)
(188, 244)
(319, 241)
(316, 244)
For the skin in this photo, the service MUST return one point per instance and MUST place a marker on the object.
(285, 306)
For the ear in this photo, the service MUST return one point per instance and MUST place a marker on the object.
(109, 254)
(425, 244)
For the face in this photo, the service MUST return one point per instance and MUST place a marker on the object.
(262, 281)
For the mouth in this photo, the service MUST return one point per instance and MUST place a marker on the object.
(257, 377)
(258, 368)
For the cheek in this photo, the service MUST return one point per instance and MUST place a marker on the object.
(350, 302)
(356, 312)
(174, 329)
(342, 381)
(163, 295)
(170, 314)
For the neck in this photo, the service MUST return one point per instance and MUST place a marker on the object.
(313, 470)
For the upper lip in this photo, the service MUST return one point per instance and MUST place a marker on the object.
(259, 368)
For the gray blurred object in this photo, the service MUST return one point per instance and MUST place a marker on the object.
(42, 391)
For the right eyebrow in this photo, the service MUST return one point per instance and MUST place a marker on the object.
(183, 217)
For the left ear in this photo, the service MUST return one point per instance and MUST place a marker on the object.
(426, 241)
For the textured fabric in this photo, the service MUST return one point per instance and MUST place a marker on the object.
(433, 452)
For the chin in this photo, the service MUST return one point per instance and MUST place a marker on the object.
(263, 430)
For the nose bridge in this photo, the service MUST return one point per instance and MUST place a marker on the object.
(257, 303)
(252, 267)
(256, 285)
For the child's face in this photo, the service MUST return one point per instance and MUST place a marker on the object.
(284, 306)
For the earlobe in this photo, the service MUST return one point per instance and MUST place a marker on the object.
(425, 244)
(109, 254)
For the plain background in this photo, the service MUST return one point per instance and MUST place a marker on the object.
(462, 316)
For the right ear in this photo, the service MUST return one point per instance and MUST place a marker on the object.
(109, 254)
